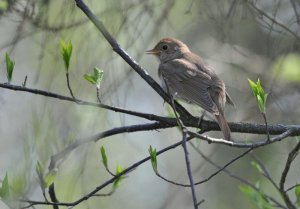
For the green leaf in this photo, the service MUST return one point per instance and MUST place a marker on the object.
(50, 177)
(104, 157)
(66, 50)
(95, 78)
(261, 104)
(89, 78)
(4, 194)
(259, 93)
(119, 179)
(39, 170)
(152, 153)
(297, 193)
(257, 197)
(10, 64)
(265, 99)
(253, 87)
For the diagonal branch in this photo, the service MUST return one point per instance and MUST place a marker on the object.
(126, 57)
(289, 161)
(59, 157)
(106, 183)
(127, 170)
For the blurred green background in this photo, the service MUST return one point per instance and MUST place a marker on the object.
(236, 39)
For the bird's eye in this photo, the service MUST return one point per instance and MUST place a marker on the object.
(165, 47)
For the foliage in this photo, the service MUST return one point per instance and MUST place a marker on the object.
(4, 190)
(95, 78)
(152, 153)
(257, 197)
(297, 193)
(119, 179)
(66, 51)
(104, 157)
(10, 64)
(260, 95)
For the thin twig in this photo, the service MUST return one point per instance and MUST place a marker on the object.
(186, 153)
(292, 187)
(86, 103)
(290, 159)
(225, 166)
(242, 144)
(25, 81)
(205, 126)
(273, 19)
(188, 167)
(69, 86)
(116, 47)
(296, 11)
(98, 95)
(110, 181)
(106, 183)
(235, 176)
(59, 157)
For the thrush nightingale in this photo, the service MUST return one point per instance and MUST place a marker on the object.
(186, 76)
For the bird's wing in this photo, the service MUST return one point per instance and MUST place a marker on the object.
(186, 81)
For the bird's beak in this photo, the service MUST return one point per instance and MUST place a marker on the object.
(153, 51)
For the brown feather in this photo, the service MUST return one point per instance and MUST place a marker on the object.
(188, 77)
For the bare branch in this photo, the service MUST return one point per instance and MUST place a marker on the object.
(274, 20)
(116, 47)
(86, 103)
(242, 144)
(205, 126)
(296, 11)
(235, 176)
(69, 86)
(225, 166)
(289, 161)
(188, 167)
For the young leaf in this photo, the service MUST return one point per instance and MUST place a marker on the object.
(104, 157)
(152, 153)
(10, 64)
(297, 193)
(89, 78)
(118, 181)
(95, 78)
(98, 74)
(253, 87)
(4, 194)
(259, 94)
(258, 197)
(66, 51)
(50, 177)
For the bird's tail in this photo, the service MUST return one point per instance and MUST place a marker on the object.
(224, 126)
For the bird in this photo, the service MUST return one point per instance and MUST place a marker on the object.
(186, 76)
